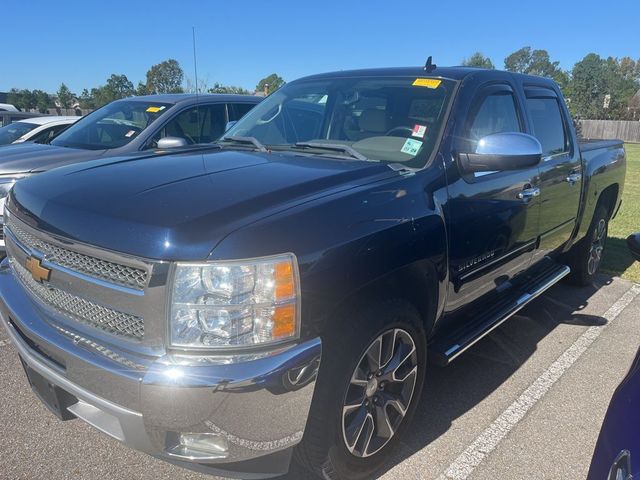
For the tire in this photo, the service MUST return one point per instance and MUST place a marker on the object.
(586, 256)
(324, 449)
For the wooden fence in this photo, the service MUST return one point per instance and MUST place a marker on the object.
(611, 129)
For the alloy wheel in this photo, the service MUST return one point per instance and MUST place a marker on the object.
(597, 246)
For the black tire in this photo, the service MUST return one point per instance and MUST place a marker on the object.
(585, 257)
(323, 449)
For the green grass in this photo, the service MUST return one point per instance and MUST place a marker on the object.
(617, 259)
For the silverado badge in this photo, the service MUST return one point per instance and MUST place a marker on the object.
(39, 273)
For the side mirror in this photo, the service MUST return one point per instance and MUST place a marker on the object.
(502, 151)
(633, 242)
(229, 125)
(171, 142)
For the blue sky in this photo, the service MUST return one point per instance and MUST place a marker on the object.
(81, 42)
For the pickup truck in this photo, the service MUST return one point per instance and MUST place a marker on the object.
(135, 125)
(284, 293)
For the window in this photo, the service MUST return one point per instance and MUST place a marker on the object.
(47, 134)
(201, 124)
(497, 114)
(10, 133)
(548, 126)
(238, 110)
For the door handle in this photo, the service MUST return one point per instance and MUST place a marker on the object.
(573, 178)
(529, 193)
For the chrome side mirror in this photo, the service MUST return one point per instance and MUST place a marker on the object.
(229, 125)
(633, 242)
(502, 151)
(171, 142)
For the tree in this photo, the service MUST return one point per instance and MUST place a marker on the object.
(602, 88)
(535, 62)
(42, 101)
(478, 60)
(219, 88)
(22, 99)
(141, 89)
(65, 97)
(165, 77)
(272, 83)
(87, 100)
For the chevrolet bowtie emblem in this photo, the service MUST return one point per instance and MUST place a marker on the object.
(38, 272)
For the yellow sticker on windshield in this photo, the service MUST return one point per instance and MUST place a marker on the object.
(427, 82)
(154, 109)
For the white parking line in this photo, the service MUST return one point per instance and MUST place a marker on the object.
(488, 440)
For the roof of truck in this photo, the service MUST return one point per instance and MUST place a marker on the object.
(453, 73)
(191, 97)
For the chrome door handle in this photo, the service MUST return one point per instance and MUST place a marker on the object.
(573, 178)
(529, 193)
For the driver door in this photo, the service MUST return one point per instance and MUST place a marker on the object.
(197, 124)
(493, 216)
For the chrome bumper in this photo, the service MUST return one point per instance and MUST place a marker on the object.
(258, 405)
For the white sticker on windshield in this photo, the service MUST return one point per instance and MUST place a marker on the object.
(130, 133)
(411, 147)
(419, 131)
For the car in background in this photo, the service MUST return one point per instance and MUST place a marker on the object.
(7, 107)
(36, 129)
(7, 117)
(129, 126)
(618, 448)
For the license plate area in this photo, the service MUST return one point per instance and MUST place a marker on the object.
(54, 398)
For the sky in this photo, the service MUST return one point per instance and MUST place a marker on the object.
(82, 42)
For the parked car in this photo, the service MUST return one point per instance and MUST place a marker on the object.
(128, 126)
(354, 224)
(7, 117)
(618, 448)
(7, 107)
(36, 129)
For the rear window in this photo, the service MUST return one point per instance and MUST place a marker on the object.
(548, 126)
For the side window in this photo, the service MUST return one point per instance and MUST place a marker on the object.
(238, 110)
(202, 124)
(548, 126)
(47, 134)
(497, 114)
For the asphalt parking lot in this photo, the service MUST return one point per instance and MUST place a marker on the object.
(525, 402)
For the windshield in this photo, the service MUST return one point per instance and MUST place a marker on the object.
(14, 131)
(394, 119)
(111, 126)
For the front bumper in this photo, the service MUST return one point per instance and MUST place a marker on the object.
(258, 405)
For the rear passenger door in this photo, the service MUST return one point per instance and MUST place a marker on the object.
(492, 230)
(560, 169)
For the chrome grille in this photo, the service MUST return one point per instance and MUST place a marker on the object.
(94, 267)
(80, 309)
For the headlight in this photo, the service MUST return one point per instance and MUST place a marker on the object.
(235, 304)
(5, 185)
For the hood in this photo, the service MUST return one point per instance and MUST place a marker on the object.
(36, 157)
(179, 206)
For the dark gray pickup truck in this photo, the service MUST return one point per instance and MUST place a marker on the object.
(285, 292)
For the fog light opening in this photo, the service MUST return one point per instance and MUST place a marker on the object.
(197, 446)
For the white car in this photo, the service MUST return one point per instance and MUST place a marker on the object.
(36, 129)
(7, 107)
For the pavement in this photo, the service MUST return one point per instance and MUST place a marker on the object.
(526, 402)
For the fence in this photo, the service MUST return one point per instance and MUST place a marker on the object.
(611, 129)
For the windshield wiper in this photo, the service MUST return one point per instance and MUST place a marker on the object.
(336, 147)
(252, 140)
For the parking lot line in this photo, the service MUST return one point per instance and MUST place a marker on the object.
(462, 467)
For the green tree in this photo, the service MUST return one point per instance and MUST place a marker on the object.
(272, 83)
(478, 60)
(87, 100)
(602, 88)
(22, 99)
(230, 89)
(141, 89)
(42, 100)
(65, 97)
(165, 77)
(535, 62)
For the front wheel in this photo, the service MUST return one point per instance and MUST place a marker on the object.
(369, 385)
(586, 256)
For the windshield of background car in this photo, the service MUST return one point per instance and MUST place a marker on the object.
(12, 132)
(111, 126)
(390, 119)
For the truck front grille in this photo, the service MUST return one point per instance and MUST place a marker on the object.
(111, 272)
(80, 309)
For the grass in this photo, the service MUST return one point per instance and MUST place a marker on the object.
(617, 260)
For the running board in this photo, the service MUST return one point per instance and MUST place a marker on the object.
(446, 348)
